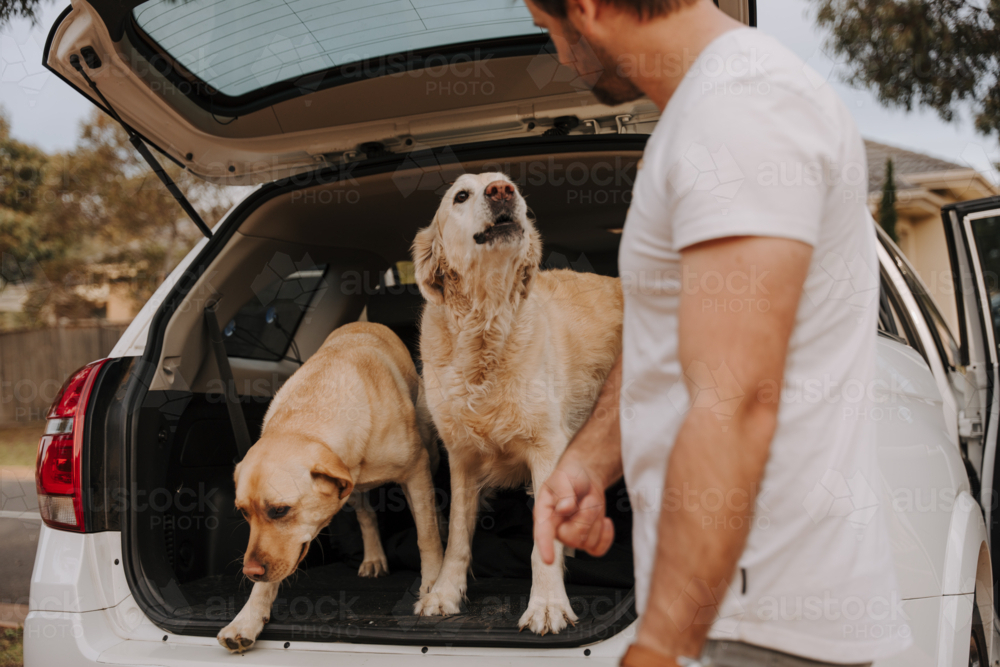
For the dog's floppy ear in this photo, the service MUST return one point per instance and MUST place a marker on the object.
(330, 474)
(427, 265)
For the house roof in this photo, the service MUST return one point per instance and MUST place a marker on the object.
(903, 162)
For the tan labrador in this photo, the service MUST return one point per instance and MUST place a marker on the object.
(513, 359)
(351, 418)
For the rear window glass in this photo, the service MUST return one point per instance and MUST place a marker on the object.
(238, 46)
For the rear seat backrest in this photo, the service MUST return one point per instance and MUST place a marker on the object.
(399, 307)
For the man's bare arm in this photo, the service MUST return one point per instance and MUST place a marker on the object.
(600, 439)
(570, 506)
(699, 546)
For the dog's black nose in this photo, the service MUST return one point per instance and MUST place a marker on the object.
(500, 191)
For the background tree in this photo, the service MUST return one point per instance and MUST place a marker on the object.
(941, 54)
(24, 9)
(887, 207)
(77, 224)
(22, 172)
(22, 169)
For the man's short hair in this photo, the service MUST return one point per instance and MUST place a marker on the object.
(644, 9)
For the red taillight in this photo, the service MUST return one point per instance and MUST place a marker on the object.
(58, 472)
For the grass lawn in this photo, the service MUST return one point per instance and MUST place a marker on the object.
(11, 647)
(19, 445)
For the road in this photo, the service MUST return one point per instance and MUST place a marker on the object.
(19, 526)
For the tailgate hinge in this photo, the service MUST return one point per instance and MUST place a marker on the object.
(621, 121)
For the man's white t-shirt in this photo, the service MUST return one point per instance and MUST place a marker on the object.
(755, 143)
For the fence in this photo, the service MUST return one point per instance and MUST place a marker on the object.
(34, 365)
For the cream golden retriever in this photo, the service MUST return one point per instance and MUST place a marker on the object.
(351, 418)
(514, 359)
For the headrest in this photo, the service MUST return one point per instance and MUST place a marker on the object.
(395, 306)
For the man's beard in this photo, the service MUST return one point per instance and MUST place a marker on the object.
(611, 88)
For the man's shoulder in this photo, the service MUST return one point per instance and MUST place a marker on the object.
(764, 56)
(749, 65)
(746, 80)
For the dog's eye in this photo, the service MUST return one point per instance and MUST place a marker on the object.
(277, 512)
(461, 196)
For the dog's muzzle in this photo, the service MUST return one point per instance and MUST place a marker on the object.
(501, 198)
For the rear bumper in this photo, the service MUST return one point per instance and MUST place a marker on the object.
(82, 639)
(68, 639)
(83, 613)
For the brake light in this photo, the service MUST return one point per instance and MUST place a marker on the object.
(58, 470)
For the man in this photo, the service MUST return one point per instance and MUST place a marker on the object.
(738, 351)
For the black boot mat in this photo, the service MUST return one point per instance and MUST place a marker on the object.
(334, 595)
(327, 600)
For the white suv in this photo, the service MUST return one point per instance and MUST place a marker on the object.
(353, 116)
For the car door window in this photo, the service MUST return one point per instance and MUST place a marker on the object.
(894, 320)
(888, 320)
(264, 327)
(987, 234)
(944, 340)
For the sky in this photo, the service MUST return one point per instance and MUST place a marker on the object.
(46, 112)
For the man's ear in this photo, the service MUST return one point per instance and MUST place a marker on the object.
(428, 267)
(582, 15)
(330, 474)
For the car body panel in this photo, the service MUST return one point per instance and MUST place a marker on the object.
(77, 572)
(922, 471)
(966, 533)
(939, 628)
(938, 372)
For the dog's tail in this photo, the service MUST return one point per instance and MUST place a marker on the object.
(425, 425)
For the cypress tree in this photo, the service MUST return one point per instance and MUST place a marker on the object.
(887, 209)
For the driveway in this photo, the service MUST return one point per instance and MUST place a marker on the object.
(19, 526)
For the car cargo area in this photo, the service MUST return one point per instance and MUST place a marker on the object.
(306, 258)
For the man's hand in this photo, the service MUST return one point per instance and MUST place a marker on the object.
(570, 505)
(570, 508)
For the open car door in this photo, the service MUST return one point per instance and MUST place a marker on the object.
(251, 91)
(973, 232)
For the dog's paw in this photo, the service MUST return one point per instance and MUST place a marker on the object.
(378, 567)
(544, 616)
(426, 586)
(439, 602)
(241, 634)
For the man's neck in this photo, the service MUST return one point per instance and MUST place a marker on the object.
(661, 51)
